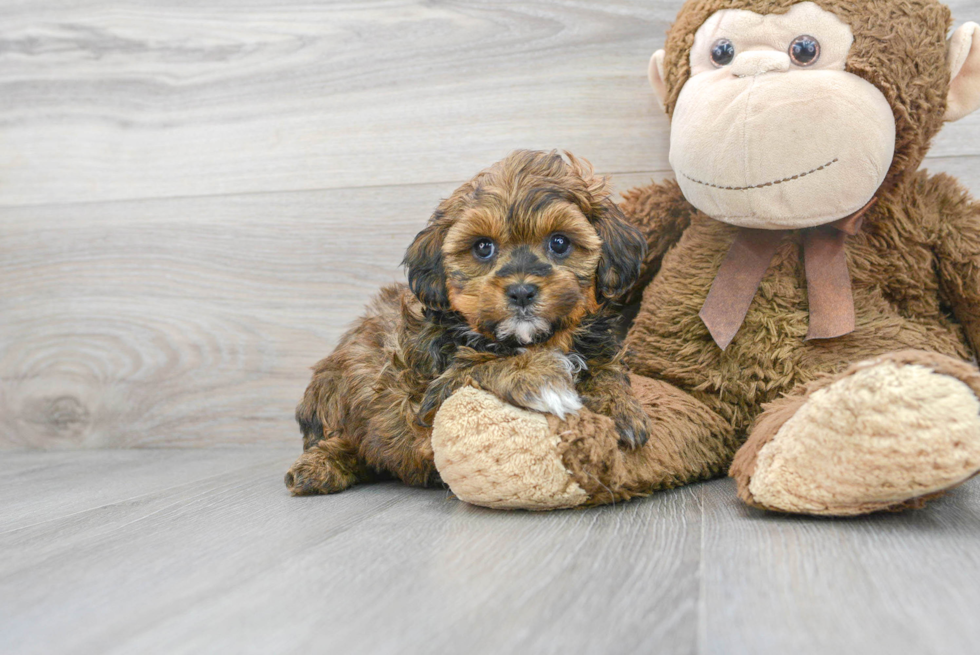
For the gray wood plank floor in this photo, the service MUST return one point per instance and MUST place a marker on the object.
(203, 551)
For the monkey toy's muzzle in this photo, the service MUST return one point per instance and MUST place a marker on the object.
(778, 148)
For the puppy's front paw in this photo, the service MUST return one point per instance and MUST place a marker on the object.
(551, 399)
(633, 426)
(543, 381)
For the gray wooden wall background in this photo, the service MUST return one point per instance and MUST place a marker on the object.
(197, 196)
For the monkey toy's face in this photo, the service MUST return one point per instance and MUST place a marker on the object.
(771, 131)
(790, 114)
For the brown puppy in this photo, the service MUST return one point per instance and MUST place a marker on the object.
(508, 287)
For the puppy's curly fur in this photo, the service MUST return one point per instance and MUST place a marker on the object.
(508, 290)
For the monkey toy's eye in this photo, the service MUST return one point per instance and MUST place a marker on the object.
(559, 244)
(722, 53)
(484, 249)
(804, 51)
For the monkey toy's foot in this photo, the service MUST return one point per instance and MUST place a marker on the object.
(497, 455)
(886, 434)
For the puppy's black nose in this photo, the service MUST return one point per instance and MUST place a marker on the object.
(522, 295)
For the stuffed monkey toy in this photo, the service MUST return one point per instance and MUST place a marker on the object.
(810, 301)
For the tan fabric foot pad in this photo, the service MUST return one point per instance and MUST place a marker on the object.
(496, 455)
(884, 434)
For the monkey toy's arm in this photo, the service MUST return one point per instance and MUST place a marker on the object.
(662, 214)
(957, 246)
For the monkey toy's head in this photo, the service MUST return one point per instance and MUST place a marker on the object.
(792, 114)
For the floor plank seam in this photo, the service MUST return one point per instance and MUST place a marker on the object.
(190, 605)
(701, 624)
(132, 498)
(274, 192)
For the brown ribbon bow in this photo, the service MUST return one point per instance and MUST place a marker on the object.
(828, 281)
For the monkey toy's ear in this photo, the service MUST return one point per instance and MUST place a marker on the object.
(656, 75)
(423, 259)
(964, 69)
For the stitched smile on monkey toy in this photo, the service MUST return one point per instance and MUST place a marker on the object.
(767, 184)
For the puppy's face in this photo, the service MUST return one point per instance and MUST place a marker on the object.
(522, 268)
(526, 249)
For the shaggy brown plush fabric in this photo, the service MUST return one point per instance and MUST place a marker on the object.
(915, 272)
(910, 280)
(915, 265)
(500, 456)
(915, 268)
(688, 441)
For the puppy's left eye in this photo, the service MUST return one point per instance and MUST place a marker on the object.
(559, 244)
(484, 249)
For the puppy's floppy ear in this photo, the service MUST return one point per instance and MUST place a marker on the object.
(426, 273)
(623, 246)
(623, 250)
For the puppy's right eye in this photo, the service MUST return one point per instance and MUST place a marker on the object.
(559, 244)
(484, 249)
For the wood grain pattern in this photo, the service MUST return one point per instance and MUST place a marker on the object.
(219, 558)
(231, 563)
(162, 99)
(196, 198)
(882, 584)
(40, 488)
(178, 99)
(194, 321)
(185, 321)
